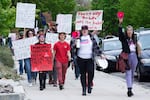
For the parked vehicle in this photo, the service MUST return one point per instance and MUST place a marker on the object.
(111, 48)
(143, 68)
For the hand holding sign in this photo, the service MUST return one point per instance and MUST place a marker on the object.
(120, 16)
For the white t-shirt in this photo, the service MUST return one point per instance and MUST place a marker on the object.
(85, 50)
(132, 46)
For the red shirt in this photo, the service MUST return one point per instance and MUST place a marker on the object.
(61, 49)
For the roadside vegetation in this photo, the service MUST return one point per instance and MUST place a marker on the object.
(6, 64)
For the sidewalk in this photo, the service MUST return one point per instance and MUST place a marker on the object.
(106, 87)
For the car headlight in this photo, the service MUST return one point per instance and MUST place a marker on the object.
(145, 61)
(109, 57)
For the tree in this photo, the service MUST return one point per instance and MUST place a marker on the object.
(7, 17)
(127, 8)
(53, 6)
(136, 12)
(141, 13)
(110, 8)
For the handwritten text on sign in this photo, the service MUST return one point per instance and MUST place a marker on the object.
(25, 15)
(52, 38)
(93, 19)
(64, 22)
(41, 57)
(22, 47)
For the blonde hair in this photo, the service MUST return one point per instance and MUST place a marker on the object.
(129, 26)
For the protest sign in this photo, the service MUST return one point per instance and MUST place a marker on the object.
(120, 14)
(12, 36)
(25, 15)
(52, 38)
(93, 19)
(64, 22)
(41, 57)
(22, 47)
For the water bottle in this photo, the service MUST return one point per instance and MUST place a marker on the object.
(78, 43)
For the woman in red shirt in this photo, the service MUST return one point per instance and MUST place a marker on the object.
(62, 56)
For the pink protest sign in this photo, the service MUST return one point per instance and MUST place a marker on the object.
(120, 14)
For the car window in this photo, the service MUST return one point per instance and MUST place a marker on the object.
(112, 45)
(144, 41)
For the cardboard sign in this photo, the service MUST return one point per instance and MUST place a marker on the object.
(41, 57)
(52, 38)
(25, 15)
(64, 22)
(22, 47)
(12, 36)
(93, 19)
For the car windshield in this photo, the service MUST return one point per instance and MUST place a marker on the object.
(112, 45)
(144, 41)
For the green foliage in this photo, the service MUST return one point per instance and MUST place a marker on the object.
(7, 17)
(53, 6)
(110, 8)
(6, 56)
(136, 12)
(57, 6)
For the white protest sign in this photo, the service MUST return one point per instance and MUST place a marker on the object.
(22, 47)
(64, 22)
(12, 36)
(93, 19)
(52, 38)
(25, 15)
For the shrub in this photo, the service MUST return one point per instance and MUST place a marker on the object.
(6, 56)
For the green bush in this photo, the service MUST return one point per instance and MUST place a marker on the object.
(6, 56)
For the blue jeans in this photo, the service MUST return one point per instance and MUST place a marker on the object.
(34, 75)
(21, 67)
(28, 69)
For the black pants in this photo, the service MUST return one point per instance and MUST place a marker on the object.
(42, 79)
(86, 67)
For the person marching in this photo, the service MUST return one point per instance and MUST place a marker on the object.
(52, 29)
(42, 74)
(75, 35)
(30, 75)
(87, 50)
(21, 66)
(129, 46)
(62, 56)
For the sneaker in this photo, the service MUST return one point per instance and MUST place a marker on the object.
(51, 82)
(54, 85)
(30, 84)
(33, 81)
(76, 78)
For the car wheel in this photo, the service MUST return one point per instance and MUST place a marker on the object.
(139, 75)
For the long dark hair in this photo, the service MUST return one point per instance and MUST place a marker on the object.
(27, 33)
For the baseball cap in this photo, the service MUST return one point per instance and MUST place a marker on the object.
(84, 27)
